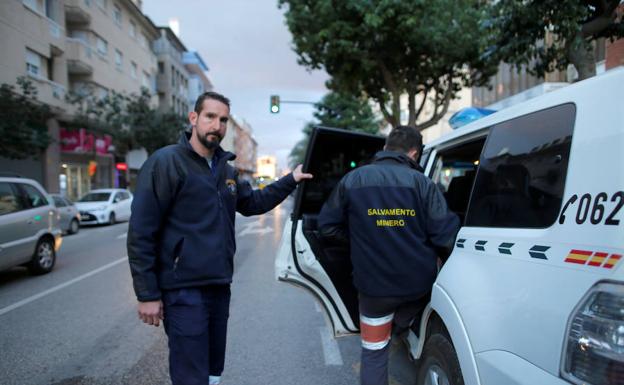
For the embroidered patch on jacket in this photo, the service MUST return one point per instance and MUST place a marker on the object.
(231, 185)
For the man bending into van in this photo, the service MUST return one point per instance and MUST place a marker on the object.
(396, 222)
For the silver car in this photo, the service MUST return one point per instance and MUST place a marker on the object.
(70, 216)
(30, 234)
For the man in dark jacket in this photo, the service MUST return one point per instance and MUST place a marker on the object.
(396, 223)
(181, 240)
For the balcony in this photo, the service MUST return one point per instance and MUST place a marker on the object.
(162, 83)
(76, 13)
(79, 57)
(49, 92)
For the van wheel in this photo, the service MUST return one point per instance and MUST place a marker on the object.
(74, 226)
(111, 219)
(44, 257)
(440, 365)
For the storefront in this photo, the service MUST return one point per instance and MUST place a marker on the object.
(86, 163)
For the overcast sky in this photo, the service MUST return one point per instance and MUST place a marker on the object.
(247, 47)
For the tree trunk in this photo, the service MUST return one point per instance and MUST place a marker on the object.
(580, 53)
(411, 106)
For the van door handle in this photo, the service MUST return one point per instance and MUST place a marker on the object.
(30, 221)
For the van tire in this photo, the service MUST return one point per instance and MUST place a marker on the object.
(44, 257)
(439, 364)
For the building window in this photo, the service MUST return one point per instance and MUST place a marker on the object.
(33, 63)
(87, 3)
(102, 92)
(522, 171)
(102, 4)
(35, 5)
(145, 80)
(161, 67)
(117, 14)
(133, 70)
(102, 46)
(132, 29)
(118, 59)
(143, 40)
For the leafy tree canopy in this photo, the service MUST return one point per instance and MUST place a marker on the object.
(130, 120)
(337, 110)
(550, 34)
(426, 50)
(23, 121)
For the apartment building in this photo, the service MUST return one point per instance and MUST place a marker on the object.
(78, 46)
(33, 46)
(172, 82)
(245, 148)
(198, 82)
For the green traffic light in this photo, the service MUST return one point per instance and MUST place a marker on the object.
(353, 164)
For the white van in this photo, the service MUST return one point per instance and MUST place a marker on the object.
(533, 292)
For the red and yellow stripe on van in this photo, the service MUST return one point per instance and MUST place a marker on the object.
(596, 259)
(578, 256)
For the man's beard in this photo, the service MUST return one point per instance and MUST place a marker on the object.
(210, 144)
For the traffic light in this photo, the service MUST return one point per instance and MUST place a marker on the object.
(275, 104)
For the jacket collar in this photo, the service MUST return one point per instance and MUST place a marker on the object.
(396, 157)
(219, 153)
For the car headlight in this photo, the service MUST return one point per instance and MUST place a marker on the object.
(594, 348)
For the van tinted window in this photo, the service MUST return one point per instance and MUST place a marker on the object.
(522, 171)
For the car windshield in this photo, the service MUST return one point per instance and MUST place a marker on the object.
(95, 197)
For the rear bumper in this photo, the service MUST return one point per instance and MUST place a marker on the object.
(499, 367)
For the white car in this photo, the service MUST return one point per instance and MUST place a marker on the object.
(533, 292)
(105, 206)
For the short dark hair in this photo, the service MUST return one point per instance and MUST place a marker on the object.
(404, 139)
(210, 95)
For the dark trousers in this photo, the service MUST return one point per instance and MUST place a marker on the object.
(377, 315)
(196, 325)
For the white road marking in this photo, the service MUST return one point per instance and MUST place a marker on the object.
(331, 352)
(124, 235)
(59, 287)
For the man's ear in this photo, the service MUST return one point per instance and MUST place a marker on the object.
(413, 153)
(193, 118)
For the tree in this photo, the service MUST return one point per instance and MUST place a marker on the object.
(337, 111)
(426, 50)
(523, 28)
(23, 121)
(129, 119)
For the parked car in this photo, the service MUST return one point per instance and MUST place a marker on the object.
(30, 234)
(533, 291)
(105, 206)
(70, 217)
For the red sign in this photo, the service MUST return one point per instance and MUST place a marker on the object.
(81, 141)
(121, 166)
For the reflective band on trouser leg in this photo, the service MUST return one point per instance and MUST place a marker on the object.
(375, 332)
(214, 380)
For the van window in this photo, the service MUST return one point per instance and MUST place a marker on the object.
(59, 202)
(522, 171)
(454, 171)
(8, 199)
(33, 196)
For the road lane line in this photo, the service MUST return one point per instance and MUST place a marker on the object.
(124, 235)
(59, 287)
(331, 352)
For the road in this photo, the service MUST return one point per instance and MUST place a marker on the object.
(78, 324)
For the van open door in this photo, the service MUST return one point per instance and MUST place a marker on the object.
(304, 259)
